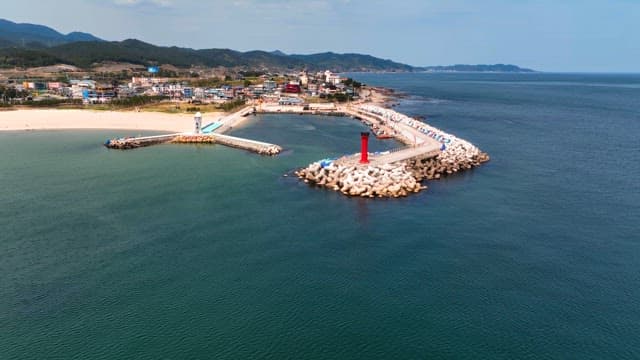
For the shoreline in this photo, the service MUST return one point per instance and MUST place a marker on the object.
(76, 119)
(429, 153)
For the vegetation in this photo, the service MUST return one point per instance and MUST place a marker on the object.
(137, 101)
(251, 73)
(86, 54)
(351, 82)
(18, 57)
(232, 105)
(10, 93)
(48, 103)
(13, 34)
(206, 83)
(339, 97)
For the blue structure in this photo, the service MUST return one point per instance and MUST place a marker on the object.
(211, 127)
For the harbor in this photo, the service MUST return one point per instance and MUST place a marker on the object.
(428, 152)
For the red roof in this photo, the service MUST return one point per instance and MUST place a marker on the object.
(291, 88)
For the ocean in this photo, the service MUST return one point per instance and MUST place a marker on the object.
(208, 252)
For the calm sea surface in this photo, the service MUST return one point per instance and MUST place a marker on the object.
(197, 252)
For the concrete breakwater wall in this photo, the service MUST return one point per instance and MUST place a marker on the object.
(259, 147)
(136, 142)
(456, 154)
(388, 180)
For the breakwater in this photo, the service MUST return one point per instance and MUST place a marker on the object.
(387, 180)
(136, 142)
(435, 154)
(259, 147)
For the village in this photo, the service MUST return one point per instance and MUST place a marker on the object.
(284, 89)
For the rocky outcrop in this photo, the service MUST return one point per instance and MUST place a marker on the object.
(389, 180)
(270, 150)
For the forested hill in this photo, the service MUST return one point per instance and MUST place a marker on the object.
(30, 45)
(88, 53)
(32, 35)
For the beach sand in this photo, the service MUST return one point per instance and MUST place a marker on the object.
(52, 119)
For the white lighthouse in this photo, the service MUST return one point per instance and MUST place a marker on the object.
(198, 121)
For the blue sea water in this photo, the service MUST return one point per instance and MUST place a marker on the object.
(181, 251)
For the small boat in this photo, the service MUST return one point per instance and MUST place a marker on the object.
(384, 136)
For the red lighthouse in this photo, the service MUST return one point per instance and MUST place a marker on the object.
(364, 147)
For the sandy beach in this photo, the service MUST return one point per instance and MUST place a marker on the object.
(52, 119)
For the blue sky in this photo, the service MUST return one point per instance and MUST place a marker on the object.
(547, 35)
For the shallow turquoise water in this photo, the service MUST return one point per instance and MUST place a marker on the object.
(180, 251)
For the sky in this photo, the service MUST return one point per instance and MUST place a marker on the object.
(546, 35)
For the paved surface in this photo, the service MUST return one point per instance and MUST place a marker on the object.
(423, 151)
(231, 120)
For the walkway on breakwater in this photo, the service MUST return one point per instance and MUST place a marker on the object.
(231, 120)
(260, 147)
(420, 145)
(403, 154)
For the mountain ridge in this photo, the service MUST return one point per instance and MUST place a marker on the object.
(31, 45)
(22, 33)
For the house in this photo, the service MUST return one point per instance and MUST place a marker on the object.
(292, 89)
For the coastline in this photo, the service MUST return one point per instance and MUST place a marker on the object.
(75, 119)
(78, 119)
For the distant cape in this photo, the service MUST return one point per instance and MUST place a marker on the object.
(507, 68)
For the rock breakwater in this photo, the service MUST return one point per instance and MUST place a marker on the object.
(402, 175)
(441, 166)
(388, 180)
(193, 139)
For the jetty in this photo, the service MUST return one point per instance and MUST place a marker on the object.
(140, 141)
(262, 148)
(430, 154)
(201, 135)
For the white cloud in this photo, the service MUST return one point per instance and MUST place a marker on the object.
(160, 3)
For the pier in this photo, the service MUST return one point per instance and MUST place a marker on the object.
(404, 154)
